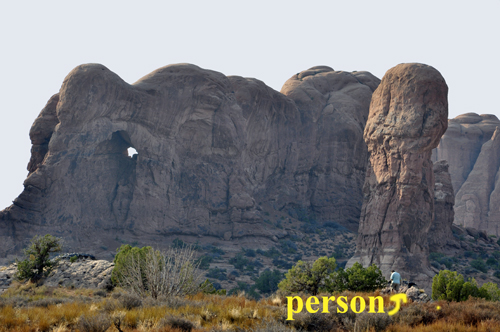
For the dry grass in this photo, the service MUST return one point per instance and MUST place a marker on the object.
(25, 307)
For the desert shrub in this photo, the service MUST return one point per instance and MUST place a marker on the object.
(288, 247)
(178, 244)
(239, 262)
(282, 263)
(492, 261)
(177, 323)
(110, 305)
(268, 281)
(242, 263)
(271, 253)
(37, 261)
(45, 302)
(250, 252)
(414, 315)
(246, 289)
(216, 273)
(124, 255)
(147, 272)
(480, 265)
(204, 262)
(357, 279)
(447, 286)
(130, 301)
(208, 287)
(308, 276)
(372, 322)
(94, 323)
(317, 322)
(270, 326)
(471, 254)
(440, 258)
(214, 250)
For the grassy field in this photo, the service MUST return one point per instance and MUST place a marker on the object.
(26, 307)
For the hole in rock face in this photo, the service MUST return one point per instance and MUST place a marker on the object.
(119, 144)
(131, 152)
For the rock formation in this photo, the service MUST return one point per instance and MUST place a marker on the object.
(217, 157)
(83, 273)
(472, 147)
(408, 116)
(440, 233)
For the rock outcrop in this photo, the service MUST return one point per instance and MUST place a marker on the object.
(217, 157)
(472, 147)
(408, 116)
(83, 273)
(440, 233)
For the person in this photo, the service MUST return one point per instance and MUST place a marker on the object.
(395, 281)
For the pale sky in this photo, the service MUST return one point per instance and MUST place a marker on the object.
(42, 41)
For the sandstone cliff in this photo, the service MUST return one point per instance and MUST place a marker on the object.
(218, 157)
(472, 147)
(408, 116)
(440, 234)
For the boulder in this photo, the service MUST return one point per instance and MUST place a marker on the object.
(83, 273)
(408, 116)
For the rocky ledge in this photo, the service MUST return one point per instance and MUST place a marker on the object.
(83, 273)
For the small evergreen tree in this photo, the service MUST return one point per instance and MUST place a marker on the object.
(268, 281)
(447, 285)
(357, 279)
(37, 261)
(308, 276)
(450, 286)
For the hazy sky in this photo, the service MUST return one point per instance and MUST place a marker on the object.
(42, 41)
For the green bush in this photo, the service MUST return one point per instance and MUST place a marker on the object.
(123, 255)
(216, 273)
(37, 261)
(480, 265)
(442, 259)
(321, 275)
(148, 272)
(308, 276)
(492, 290)
(268, 281)
(492, 261)
(450, 286)
(357, 279)
(204, 262)
(447, 286)
(245, 288)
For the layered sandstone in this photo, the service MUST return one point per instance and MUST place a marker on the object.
(218, 157)
(440, 234)
(408, 116)
(472, 147)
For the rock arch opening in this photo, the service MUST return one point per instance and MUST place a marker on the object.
(119, 144)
